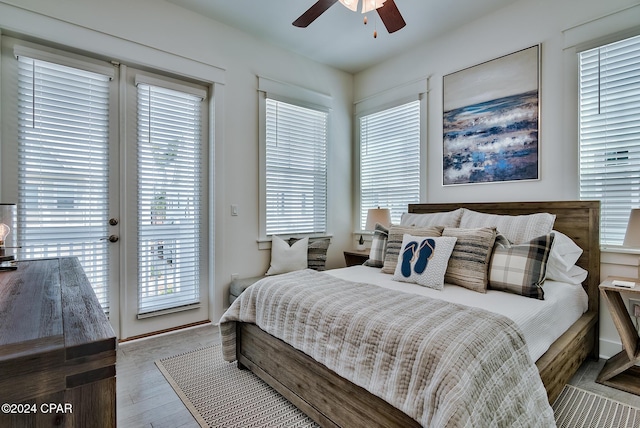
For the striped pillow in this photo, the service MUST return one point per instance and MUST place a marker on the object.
(394, 243)
(521, 269)
(378, 246)
(469, 262)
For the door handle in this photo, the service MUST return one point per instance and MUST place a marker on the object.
(111, 238)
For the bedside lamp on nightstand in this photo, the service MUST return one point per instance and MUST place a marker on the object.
(376, 215)
(632, 237)
(7, 236)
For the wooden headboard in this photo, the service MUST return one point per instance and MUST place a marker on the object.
(579, 220)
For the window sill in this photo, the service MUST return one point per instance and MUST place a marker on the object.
(265, 243)
(619, 250)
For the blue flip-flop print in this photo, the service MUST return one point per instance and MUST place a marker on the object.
(406, 258)
(425, 252)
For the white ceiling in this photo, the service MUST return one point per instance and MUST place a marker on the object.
(338, 37)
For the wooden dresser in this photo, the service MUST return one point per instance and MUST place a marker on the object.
(57, 348)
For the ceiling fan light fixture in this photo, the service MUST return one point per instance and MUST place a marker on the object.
(369, 5)
(350, 4)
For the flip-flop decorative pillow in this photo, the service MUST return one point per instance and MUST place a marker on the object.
(423, 260)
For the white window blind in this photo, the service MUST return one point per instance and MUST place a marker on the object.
(610, 133)
(296, 169)
(390, 160)
(169, 198)
(63, 115)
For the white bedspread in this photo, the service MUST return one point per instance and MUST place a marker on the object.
(541, 321)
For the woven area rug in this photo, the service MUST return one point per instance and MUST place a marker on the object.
(220, 395)
(579, 408)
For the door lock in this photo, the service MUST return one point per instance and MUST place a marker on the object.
(113, 222)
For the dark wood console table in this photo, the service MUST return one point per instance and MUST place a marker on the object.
(57, 348)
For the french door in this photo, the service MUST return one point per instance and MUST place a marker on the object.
(108, 164)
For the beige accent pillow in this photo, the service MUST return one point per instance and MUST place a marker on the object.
(469, 261)
(394, 243)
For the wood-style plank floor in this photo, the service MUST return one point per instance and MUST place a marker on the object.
(145, 398)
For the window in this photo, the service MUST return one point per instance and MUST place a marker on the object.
(169, 197)
(295, 169)
(389, 160)
(63, 129)
(610, 133)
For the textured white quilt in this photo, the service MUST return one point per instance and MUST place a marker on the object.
(443, 364)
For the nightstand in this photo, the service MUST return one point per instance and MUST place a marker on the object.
(356, 257)
(620, 370)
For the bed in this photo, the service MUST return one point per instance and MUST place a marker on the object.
(331, 400)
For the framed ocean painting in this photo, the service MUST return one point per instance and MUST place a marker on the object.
(491, 120)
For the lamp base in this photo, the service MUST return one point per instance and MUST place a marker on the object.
(7, 263)
(4, 266)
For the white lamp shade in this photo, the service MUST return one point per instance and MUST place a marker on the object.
(632, 237)
(7, 225)
(378, 215)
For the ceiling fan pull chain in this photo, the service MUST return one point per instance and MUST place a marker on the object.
(375, 27)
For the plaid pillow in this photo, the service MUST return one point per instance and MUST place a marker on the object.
(378, 246)
(521, 269)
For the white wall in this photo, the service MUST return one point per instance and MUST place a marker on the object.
(145, 31)
(558, 26)
(115, 28)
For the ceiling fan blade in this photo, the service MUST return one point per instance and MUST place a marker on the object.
(313, 12)
(390, 16)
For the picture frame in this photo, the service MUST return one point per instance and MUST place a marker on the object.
(491, 120)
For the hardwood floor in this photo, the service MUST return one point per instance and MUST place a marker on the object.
(145, 398)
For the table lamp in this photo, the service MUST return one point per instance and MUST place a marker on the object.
(632, 237)
(7, 236)
(375, 215)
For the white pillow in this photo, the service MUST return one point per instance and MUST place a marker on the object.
(575, 275)
(517, 228)
(285, 258)
(564, 252)
(423, 260)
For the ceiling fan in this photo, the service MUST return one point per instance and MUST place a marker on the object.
(387, 9)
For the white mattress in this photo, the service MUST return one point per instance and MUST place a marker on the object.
(541, 321)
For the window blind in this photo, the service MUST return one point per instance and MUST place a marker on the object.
(296, 169)
(169, 198)
(390, 160)
(610, 133)
(63, 116)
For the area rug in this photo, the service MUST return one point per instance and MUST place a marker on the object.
(576, 407)
(220, 395)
